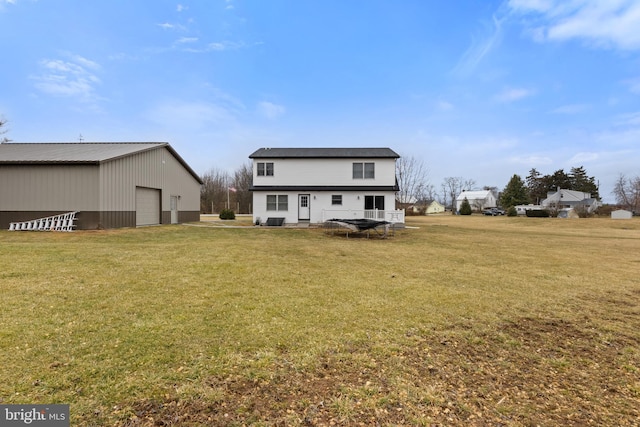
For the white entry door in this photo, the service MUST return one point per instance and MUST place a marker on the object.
(304, 213)
(174, 209)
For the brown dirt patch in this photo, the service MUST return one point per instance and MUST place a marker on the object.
(525, 372)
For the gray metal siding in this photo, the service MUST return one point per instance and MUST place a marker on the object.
(152, 169)
(179, 182)
(49, 188)
(119, 179)
(105, 192)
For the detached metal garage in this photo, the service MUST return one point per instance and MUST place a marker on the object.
(110, 185)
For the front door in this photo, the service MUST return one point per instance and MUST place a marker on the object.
(304, 213)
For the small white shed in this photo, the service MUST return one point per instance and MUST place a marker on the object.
(621, 214)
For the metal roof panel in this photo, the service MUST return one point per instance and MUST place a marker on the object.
(284, 153)
(81, 152)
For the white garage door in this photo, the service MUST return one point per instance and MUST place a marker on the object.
(147, 206)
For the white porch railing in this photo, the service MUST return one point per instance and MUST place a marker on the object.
(394, 216)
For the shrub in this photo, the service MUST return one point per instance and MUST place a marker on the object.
(227, 214)
(512, 211)
(537, 213)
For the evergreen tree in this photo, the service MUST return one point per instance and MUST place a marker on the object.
(465, 207)
(558, 180)
(580, 181)
(515, 193)
(535, 187)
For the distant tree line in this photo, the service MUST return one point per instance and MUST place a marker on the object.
(536, 186)
(223, 190)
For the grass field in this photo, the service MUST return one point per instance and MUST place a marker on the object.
(460, 321)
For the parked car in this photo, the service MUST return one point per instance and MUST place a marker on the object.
(493, 212)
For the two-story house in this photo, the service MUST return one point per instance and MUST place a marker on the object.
(313, 185)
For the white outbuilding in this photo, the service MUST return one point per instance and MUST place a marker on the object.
(621, 214)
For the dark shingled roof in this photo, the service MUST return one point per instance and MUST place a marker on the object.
(328, 153)
(79, 152)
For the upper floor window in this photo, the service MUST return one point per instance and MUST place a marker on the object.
(364, 170)
(265, 169)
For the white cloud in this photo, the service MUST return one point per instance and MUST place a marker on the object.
(629, 119)
(220, 46)
(444, 106)
(225, 45)
(189, 115)
(6, 2)
(603, 24)
(531, 160)
(73, 77)
(180, 8)
(270, 110)
(166, 26)
(571, 109)
(479, 48)
(184, 40)
(584, 158)
(514, 94)
(634, 85)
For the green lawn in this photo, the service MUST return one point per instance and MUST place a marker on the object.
(461, 321)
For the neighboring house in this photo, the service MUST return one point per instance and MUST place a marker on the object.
(479, 200)
(433, 207)
(110, 185)
(424, 207)
(565, 199)
(313, 185)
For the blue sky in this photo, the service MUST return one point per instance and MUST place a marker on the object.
(476, 89)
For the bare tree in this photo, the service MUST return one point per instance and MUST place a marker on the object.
(429, 192)
(213, 193)
(222, 190)
(452, 186)
(627, 192)
(3, 131)
(242, 181)
(412, 176)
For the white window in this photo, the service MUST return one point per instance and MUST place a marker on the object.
(265, 169)
(277, 202)
(364, 170)
(336, 199)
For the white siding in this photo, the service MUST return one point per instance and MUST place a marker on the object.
(319, 201)
(315, 172)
